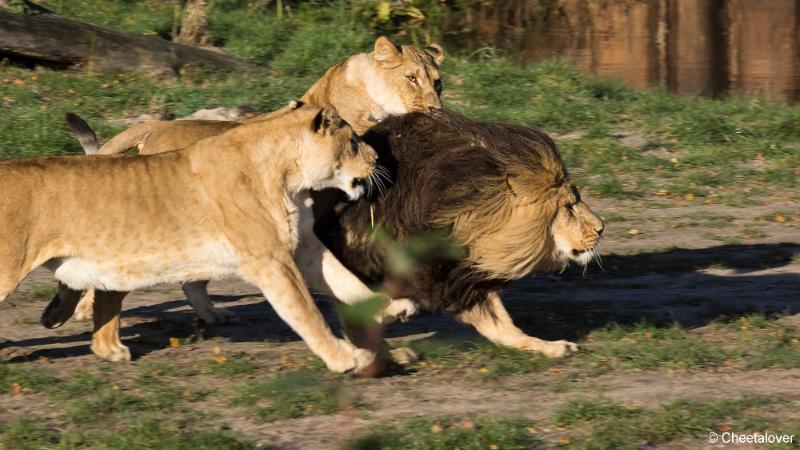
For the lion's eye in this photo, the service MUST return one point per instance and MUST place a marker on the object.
(354, 146)
(570, 210)
(412, 78)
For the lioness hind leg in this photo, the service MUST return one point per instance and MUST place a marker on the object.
(283, 287)
(493, 322)
(61, 307)
(106, 343)
(9, 280)
(85, 307)
(197, 294)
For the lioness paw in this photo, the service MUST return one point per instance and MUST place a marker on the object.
(398, 309)
(113, 353)
(367, 364)
(213, 315)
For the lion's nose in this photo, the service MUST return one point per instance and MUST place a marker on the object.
(600, 229)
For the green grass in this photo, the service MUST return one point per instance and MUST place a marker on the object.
(649, 347)
(26, 377)
(478, 356)
(604, 424)
(39, 291)
(752, 342)
(293, 395)
(108, 411)
(449, 433)
(236, 366)
(141, 434)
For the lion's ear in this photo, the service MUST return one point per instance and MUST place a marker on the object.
(385, 50)
(436, 51)
(326, 119)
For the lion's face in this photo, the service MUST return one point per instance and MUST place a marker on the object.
(576, 230)
(338, 158)
(406, 79)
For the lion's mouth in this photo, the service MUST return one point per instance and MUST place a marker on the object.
(585, 256)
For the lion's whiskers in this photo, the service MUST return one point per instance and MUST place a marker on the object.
(375, 177)
(597, 255)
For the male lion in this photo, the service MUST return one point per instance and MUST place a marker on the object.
(232, 205)
(499, 191)
(364, 88)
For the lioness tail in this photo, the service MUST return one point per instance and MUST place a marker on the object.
(83, 133)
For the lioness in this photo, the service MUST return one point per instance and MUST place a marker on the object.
(364, 88)
(227, 206)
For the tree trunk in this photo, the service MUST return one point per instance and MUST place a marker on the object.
(54, 38)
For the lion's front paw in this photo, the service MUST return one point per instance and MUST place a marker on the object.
(552, 349)
(559, 349)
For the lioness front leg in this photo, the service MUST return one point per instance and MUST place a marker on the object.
(283, 287)
(493, 322)
(105, 340)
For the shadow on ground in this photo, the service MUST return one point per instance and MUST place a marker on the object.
(690, 287)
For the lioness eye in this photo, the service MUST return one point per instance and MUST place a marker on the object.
(412, 78)
(354, 146)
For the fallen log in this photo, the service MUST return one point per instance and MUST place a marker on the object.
(54, 38)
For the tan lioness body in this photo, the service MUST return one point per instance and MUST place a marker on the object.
(364, 88)
(227, 206)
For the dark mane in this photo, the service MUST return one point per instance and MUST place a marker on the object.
(445, 168)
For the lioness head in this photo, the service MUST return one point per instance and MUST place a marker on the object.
(406, 78)
(335, 157)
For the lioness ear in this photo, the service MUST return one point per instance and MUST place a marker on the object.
(325, 119)
(436, 51)
(385, 50)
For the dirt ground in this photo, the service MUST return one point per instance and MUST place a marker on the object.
(665, 261)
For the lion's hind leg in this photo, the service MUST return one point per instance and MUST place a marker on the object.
(493, 322)
(61, 307)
